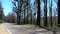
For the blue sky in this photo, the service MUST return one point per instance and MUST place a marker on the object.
(7, 5)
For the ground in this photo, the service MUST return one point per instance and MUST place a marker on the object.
(22, 29)
(8, 28)
(3, 30)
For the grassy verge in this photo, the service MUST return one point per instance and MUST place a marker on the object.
(53, 28)
(30, 25)
(1, 21)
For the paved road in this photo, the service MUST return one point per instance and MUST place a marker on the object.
(3, 30)
(20, 29)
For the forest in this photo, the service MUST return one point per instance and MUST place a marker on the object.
(37, 12)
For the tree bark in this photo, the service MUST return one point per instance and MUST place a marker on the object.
(27, 15)
(38, 13)
(18, 16)
(58, 11)
(45, 12)
(24, 16)
(51, 24)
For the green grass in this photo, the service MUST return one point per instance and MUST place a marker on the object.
(49, 27)
(30, 25)
(53, 27)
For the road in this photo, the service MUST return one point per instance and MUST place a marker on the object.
(20, 29)
(3, 30)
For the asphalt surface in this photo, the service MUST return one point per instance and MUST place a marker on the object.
(20, 29)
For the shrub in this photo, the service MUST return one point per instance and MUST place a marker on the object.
(58, 25)
(1, 21)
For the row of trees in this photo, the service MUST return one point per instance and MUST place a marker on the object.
(25, 12)
(1, 12)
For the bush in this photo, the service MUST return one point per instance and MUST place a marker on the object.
(1, 21)
(58, 25)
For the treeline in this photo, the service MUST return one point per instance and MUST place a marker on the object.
(26, 12)
(1, 12)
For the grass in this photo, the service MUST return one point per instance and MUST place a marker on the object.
(30, 25)
(1, 21)
(53, 28)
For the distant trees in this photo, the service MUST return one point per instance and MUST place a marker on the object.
(11, 18)
(1, 12)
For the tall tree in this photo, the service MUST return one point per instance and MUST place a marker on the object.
(19, 10)
(27, 5)
(58, 11)
(38, 13)
(45, 12)
(24, 9)
(1, 12)
(31, 16)
(50, 13)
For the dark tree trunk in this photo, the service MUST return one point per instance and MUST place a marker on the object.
(38, 13)
(27, 15)
(18, 20)
(50, 14)
(27, 4)
(45, 12)
(24, 16)
(58, 11)
(18, 15)
(31, 17)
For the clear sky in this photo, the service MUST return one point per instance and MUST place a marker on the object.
(7, 6)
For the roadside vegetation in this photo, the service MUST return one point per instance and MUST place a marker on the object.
(32, 14)
(1, 21)
(31, 25)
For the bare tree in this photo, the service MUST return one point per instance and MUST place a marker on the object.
(45, 12)
(1, 12)
(58, 11)
(18, 10)
(38, 13)
(50, 13)
(10, 18)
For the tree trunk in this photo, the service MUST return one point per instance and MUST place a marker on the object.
(45, 12)
(31, 17)
(27, 15)
(50, 13)
(18, 16)
(58, 11)
(24, 16)
(38, 13)
(18, 20)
